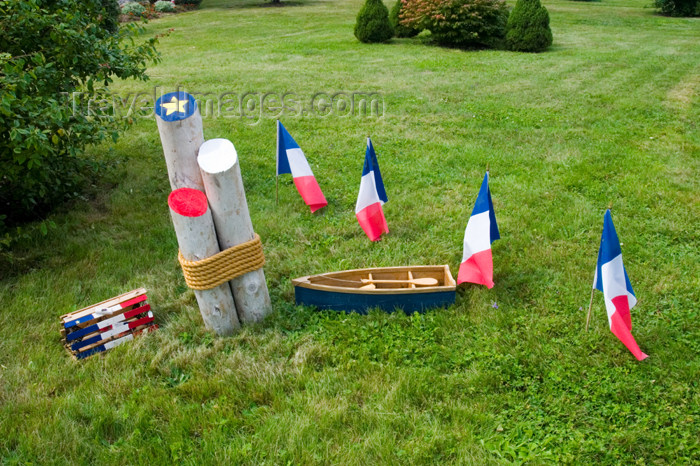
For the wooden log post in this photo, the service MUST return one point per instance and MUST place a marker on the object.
(194, 228)
(223, 184)
(180, 127)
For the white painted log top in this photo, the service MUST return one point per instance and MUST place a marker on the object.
(217, 155)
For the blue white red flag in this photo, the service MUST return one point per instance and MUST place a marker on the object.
(371, 197)
(611, 278)
(482, 230)
(290, 159)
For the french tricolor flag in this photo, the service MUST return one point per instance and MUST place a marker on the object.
(482, 230)
(611, 278)
(290, 159)
(371, 197)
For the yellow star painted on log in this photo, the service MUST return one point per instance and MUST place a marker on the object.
(175, 106)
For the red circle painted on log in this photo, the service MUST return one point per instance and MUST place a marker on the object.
(188, 202)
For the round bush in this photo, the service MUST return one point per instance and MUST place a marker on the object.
(395, 18)
(373, 23)
(528, 27)
(133, 8)
(678, 7)
(459, 23)
(163, 6)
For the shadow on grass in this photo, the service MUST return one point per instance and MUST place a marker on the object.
(15, 264)
(29, 250)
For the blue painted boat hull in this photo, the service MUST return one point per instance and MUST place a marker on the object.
(361, 303)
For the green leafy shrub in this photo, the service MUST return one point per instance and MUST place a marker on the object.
(51, 64)
(110, 20)
(528, 27)
(373, 23)
(395, 18)
(163, 6)
(188, 2)
(459, 23)
(133, 9)
(678, 7)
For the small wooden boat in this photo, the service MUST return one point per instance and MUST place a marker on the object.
(412, 288)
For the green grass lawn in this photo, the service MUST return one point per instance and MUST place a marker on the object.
(609, 114)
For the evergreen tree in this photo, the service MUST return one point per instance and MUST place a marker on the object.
(528, 29)
(373, 23)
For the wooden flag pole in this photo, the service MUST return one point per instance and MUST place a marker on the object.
(590, 306)
(221, 174)
(277, 167)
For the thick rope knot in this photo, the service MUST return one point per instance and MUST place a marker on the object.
(226, 265)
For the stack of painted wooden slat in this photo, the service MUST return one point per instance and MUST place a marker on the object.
(105, 325)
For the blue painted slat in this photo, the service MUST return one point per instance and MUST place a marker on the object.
(90, 352)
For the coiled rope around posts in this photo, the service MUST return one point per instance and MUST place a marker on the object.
(224, 266)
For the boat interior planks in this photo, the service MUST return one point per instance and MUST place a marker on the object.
(410, 288)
